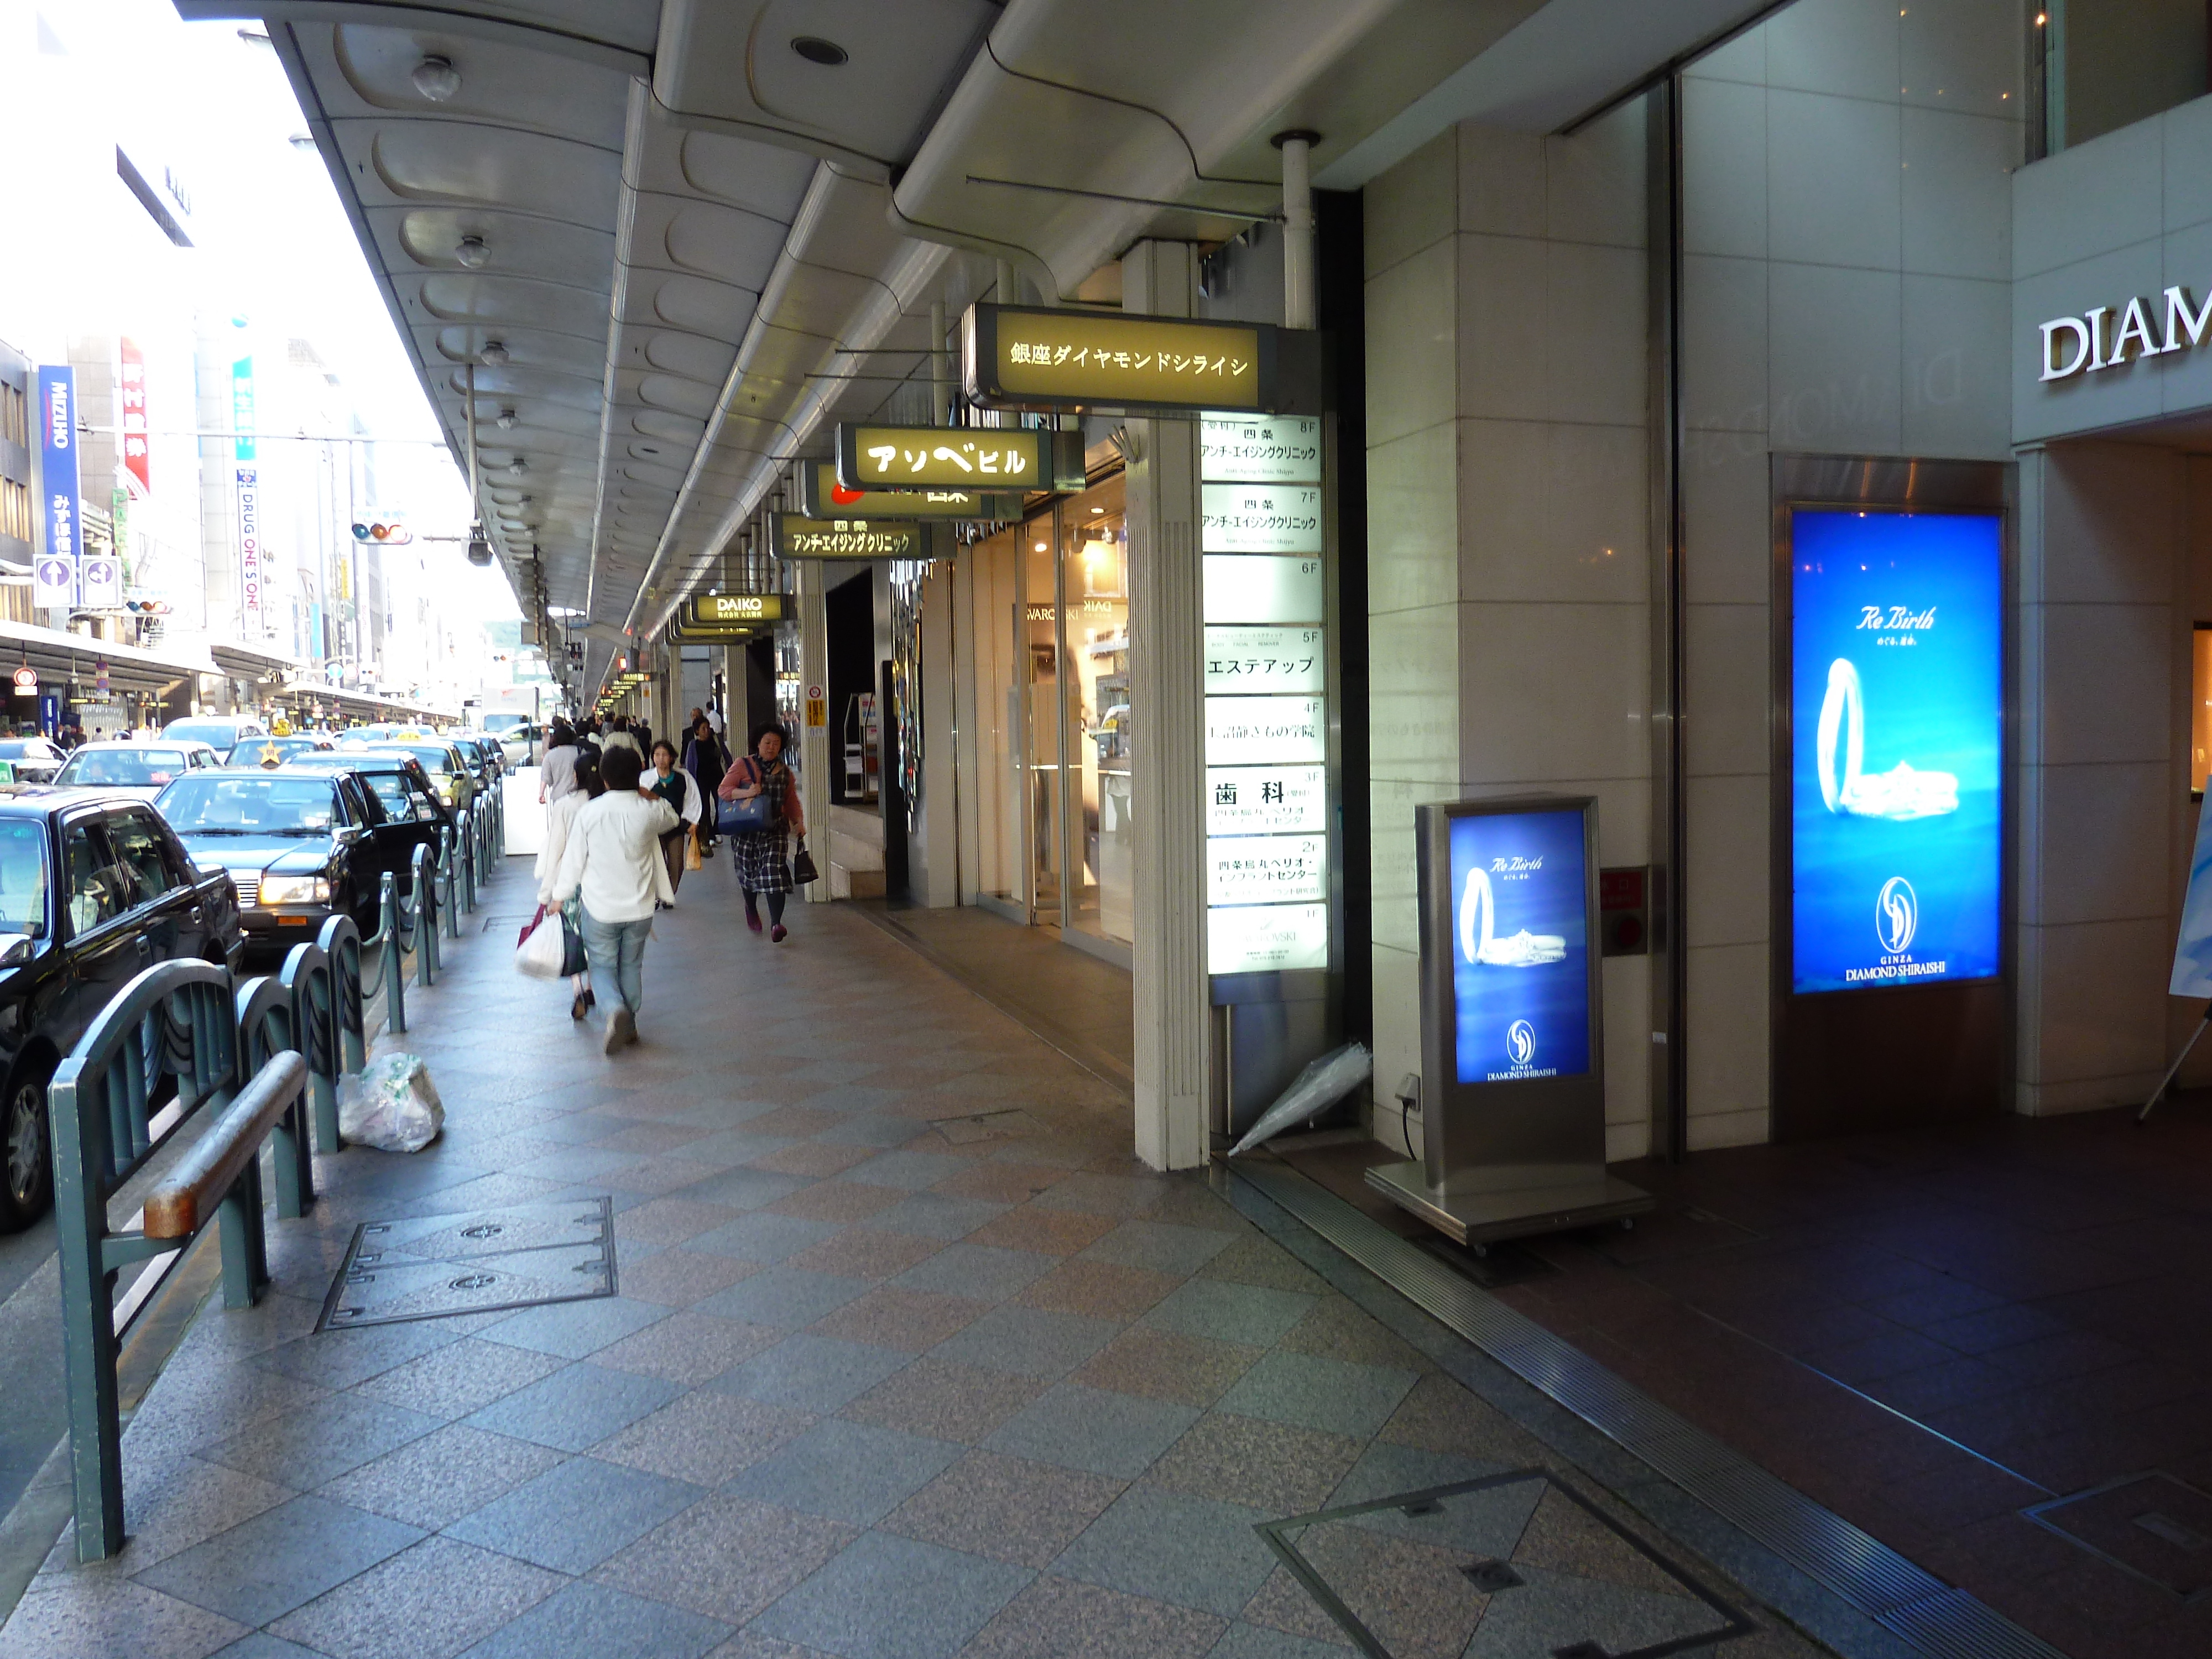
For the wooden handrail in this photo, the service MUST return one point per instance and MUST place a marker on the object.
(187, 1196)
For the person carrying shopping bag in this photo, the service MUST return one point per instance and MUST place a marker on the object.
(756, 839)
(673, 785)
(613, 862)
(560, 819)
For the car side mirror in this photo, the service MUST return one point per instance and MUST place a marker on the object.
(17, 953)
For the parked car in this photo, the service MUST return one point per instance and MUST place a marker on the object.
(220, 732)
(400, 785)
(302, 846)
(273, 751)
(449, 772)
(94, 887)
(517, 735)
(143, 769)
(33, 760)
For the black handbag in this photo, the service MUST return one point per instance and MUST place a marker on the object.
(571, 947)
(802, 865)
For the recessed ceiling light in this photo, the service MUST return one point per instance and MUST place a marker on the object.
(495, 352)
(517, 467)
(471, 252)
(814, 50)
(505, 419)
(647, 449)
(436, 78)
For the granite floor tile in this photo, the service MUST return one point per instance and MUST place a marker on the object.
(762, 1236)
(174, 1506)
(340, 1360)
(888, 1597)
(893, 1318)
(1027, 1341)
(594, 1621)
(1439, 1415)
(813, 1372)
(1276, 1466)
(1162, 1247)
(1319, 1393)
(705, 1438)
(575, 1330)
(428, 1601)
(281, 1559)
(1193, 1552)
(458, 1378)
(905, 1169)
(851, 1097)
(843, 1202)
(941, 1400)
(1001, 1183)
(658, 1176)
(650, 1138)
(726, 1148)
(744, 1190)
(261, 1645)
(866, 1252)
(798, 1122)
(573, 1164)
(1010, 1508)
(1049, 1232)
(1337, 1329)
(672, 1220)
(872, 1132)
(847, 1471)
(1252, 1260)
(575, 1408)
(321, 1441)
(1286, 1618)
(1114, 1435)
(443, 1476)
(1227, 1312)
(788, 1298)
(1123, 1195)
(725, 1558)
(1098, 1289)
(687, 1347)
(976, 1272)
(1060, 1619)
(817, 1158)
(678, 1277)
(933, 1215)
(86, 1616)
(1194, 1370)
(537, 1521)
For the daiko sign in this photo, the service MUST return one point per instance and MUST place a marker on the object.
(2106, 339)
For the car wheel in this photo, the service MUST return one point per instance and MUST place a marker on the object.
(27, 1176)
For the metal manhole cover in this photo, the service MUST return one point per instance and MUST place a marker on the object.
(2152, 1525)
(484, 1261)
(1513, 1567)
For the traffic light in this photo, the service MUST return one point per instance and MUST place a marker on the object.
(388, 532)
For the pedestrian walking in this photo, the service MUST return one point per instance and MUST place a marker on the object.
(558, 774)
(559, 820)
(759, 851)
(706, 760)
(676, 787)
(621, 738)
(613, 863)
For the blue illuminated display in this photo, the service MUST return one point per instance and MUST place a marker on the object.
(1897, 710)
(1519, 947)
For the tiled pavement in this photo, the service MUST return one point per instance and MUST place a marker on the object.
(890, 1373)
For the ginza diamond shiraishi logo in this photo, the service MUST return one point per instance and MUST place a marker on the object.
(1521, 1041)
(1896, 915)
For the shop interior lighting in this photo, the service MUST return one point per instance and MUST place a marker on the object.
(495, 354)
(471, 252)
(436, 78)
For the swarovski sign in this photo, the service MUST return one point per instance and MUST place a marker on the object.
(2075, 345)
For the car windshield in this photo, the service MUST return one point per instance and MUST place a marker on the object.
(499, 724)
(128, 768)
(215, 805)
(434, 756)
(23, 878)
(23, 749)
(220, 733)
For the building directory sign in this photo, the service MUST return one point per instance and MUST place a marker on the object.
(53, 577)
(1519, 944)
(1897, 739)
(1241, 518)
(798, 537)
(1259, 449)
(1066, 358)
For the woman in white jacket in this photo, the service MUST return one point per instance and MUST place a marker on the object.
(681, 791)
(559, 819)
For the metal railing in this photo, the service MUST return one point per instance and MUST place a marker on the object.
(268, 1025)
(166, 1049)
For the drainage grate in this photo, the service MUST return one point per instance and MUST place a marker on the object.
(481, 1262)
(1518, 1563)
(2153, 1526)
(1000, 1125)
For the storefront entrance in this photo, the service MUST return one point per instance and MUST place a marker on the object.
(1048, 642)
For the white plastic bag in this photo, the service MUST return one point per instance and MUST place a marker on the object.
(392, 1104)
(540, 955)
(1320, 1086)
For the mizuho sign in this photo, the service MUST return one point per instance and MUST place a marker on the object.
(2084, 345)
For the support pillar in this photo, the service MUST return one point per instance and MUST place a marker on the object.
(813, 740)
(1168, 980)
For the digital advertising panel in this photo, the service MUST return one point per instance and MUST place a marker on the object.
(1897, 740)
(1519, 944)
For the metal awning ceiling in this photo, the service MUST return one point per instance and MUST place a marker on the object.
(60, 656)
(665, 244)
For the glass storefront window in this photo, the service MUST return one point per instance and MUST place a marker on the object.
(1094, 595)
(1041, 637)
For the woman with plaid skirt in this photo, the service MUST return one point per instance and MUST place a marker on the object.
(759, 855)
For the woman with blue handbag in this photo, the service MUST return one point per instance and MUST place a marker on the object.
(759, 804)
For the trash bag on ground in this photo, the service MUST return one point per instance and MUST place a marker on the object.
(391, 1104)
(1320, 1086)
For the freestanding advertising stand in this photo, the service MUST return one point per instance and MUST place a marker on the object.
(1512, 1055)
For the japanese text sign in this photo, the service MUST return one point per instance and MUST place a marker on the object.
(1025, 357)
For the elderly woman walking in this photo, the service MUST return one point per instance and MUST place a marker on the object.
(758, 849)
